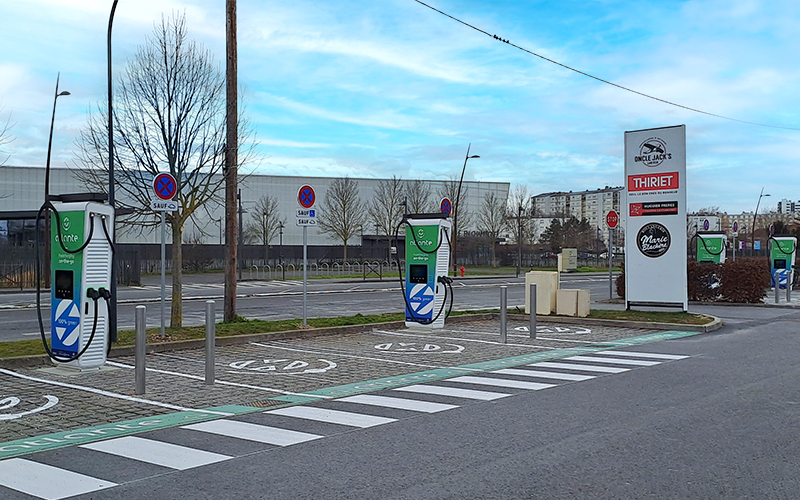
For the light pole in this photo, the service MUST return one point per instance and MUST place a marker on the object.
(519, 241)
(455, 211)
(265, 233)
(239, 243)
(755, 214)
(112, 304)
(47, 184)
(283, 267)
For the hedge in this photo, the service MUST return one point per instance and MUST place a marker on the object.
(744, 281)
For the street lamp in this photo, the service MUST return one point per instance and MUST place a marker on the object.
(47, 184)
(283, 267)
(755, 214)
(455, 211)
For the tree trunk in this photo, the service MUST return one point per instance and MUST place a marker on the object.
(344, 256)
(176, 313)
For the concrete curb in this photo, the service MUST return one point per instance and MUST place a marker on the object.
(43, 360)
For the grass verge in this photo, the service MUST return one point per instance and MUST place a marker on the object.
(254, 326)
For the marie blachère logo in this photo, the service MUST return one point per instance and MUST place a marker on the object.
(653, 152)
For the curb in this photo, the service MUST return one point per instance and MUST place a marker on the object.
(42, 359)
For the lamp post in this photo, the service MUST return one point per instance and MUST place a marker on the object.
(283, 267)
(239, 245)
(265, 234)
(112, 305)
(455, 211)
(47, 183)
(519, 240)
(755, 214)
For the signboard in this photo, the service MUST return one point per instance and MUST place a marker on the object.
(445, 206)
(165, 186)
(164, 205)
(706, 225)
(306, 212)
(655, 197)
(612, 219)
(306, 222)
(735, 227)
(306, 196)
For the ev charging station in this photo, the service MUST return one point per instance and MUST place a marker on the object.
(81, 251)
(711, 246)
(781, 258)
(427, 263)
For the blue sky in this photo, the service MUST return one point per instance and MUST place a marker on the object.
(373, 89)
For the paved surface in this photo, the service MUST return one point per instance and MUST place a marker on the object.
(255, 374)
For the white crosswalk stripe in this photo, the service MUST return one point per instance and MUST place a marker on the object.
(579, 367)
(648, 355)
(253, 432)
(156, 452)
(45, 481)
(331, 416)
(439, 390)
(540, 374)
(501, 382)
(629, 362)
(398, 403)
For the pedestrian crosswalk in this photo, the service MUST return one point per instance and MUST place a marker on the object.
(182, 448)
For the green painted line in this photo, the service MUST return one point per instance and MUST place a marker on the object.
(100, 432)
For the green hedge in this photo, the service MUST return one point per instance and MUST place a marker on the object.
(743, 281)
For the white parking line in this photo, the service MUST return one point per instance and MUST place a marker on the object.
(156, 452)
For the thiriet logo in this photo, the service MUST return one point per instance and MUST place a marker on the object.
(653, 152)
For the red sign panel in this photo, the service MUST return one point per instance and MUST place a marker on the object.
(306, 197)
(653, 182)
(655, 208)
(612, 219)
(445, 206)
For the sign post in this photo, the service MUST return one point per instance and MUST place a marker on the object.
(165, 188)
(735, 234)
(306, 197)
(612, 220)
(655, 226)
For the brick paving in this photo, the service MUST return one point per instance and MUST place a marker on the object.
(251, 374)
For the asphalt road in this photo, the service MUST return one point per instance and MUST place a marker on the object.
(274, 300)
(720, 423)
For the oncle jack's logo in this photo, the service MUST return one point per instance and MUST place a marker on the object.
(653, 152)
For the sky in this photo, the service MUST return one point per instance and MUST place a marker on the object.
(391, 87)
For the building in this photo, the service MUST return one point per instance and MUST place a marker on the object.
(22, 191)
(788, 207)
(591, 205)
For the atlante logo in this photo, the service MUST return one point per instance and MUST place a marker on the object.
(653, 152)
(66, 224)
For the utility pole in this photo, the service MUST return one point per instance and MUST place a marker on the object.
(231, 166)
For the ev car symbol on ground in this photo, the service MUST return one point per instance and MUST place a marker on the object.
(561, 330)
(11, 402)
(420, 348)
(282, 366)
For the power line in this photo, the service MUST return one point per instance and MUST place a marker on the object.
(499, 39)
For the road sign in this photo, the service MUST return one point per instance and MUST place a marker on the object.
(303, 213)
(165, 186)
(706, 225)
(306, 222)
(735, 227)
(306, 196)
(772, 229)
(446, 206)
(164, 205)
(612, 219)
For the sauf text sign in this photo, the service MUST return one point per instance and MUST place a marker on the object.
(655, 226)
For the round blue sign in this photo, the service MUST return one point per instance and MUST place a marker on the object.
(165, 186)
(446, 207)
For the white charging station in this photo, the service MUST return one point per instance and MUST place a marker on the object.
(75, 277)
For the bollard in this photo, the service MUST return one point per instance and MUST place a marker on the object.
(789, 280)
(210, 341)
(777, 286)
(503, 313)
(141, 348)
(533, 310)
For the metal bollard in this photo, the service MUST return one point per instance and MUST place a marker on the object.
(141, 348)
(789, 280)
(532, 326)
(777, 286)
(503, 313)
(211, 341)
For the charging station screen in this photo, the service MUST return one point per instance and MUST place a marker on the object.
(418, 273)
(780, 264)
(64, 285)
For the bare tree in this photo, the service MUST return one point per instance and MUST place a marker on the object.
(492, 219)
(169, 116)
(384, 209)
(5, 139)
(264, 223)
(519, 197)
(461, 215)
(342, 211)
(418, 196)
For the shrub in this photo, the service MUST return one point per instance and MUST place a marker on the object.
(703, 281)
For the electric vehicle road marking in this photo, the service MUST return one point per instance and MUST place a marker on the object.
(12, 401)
